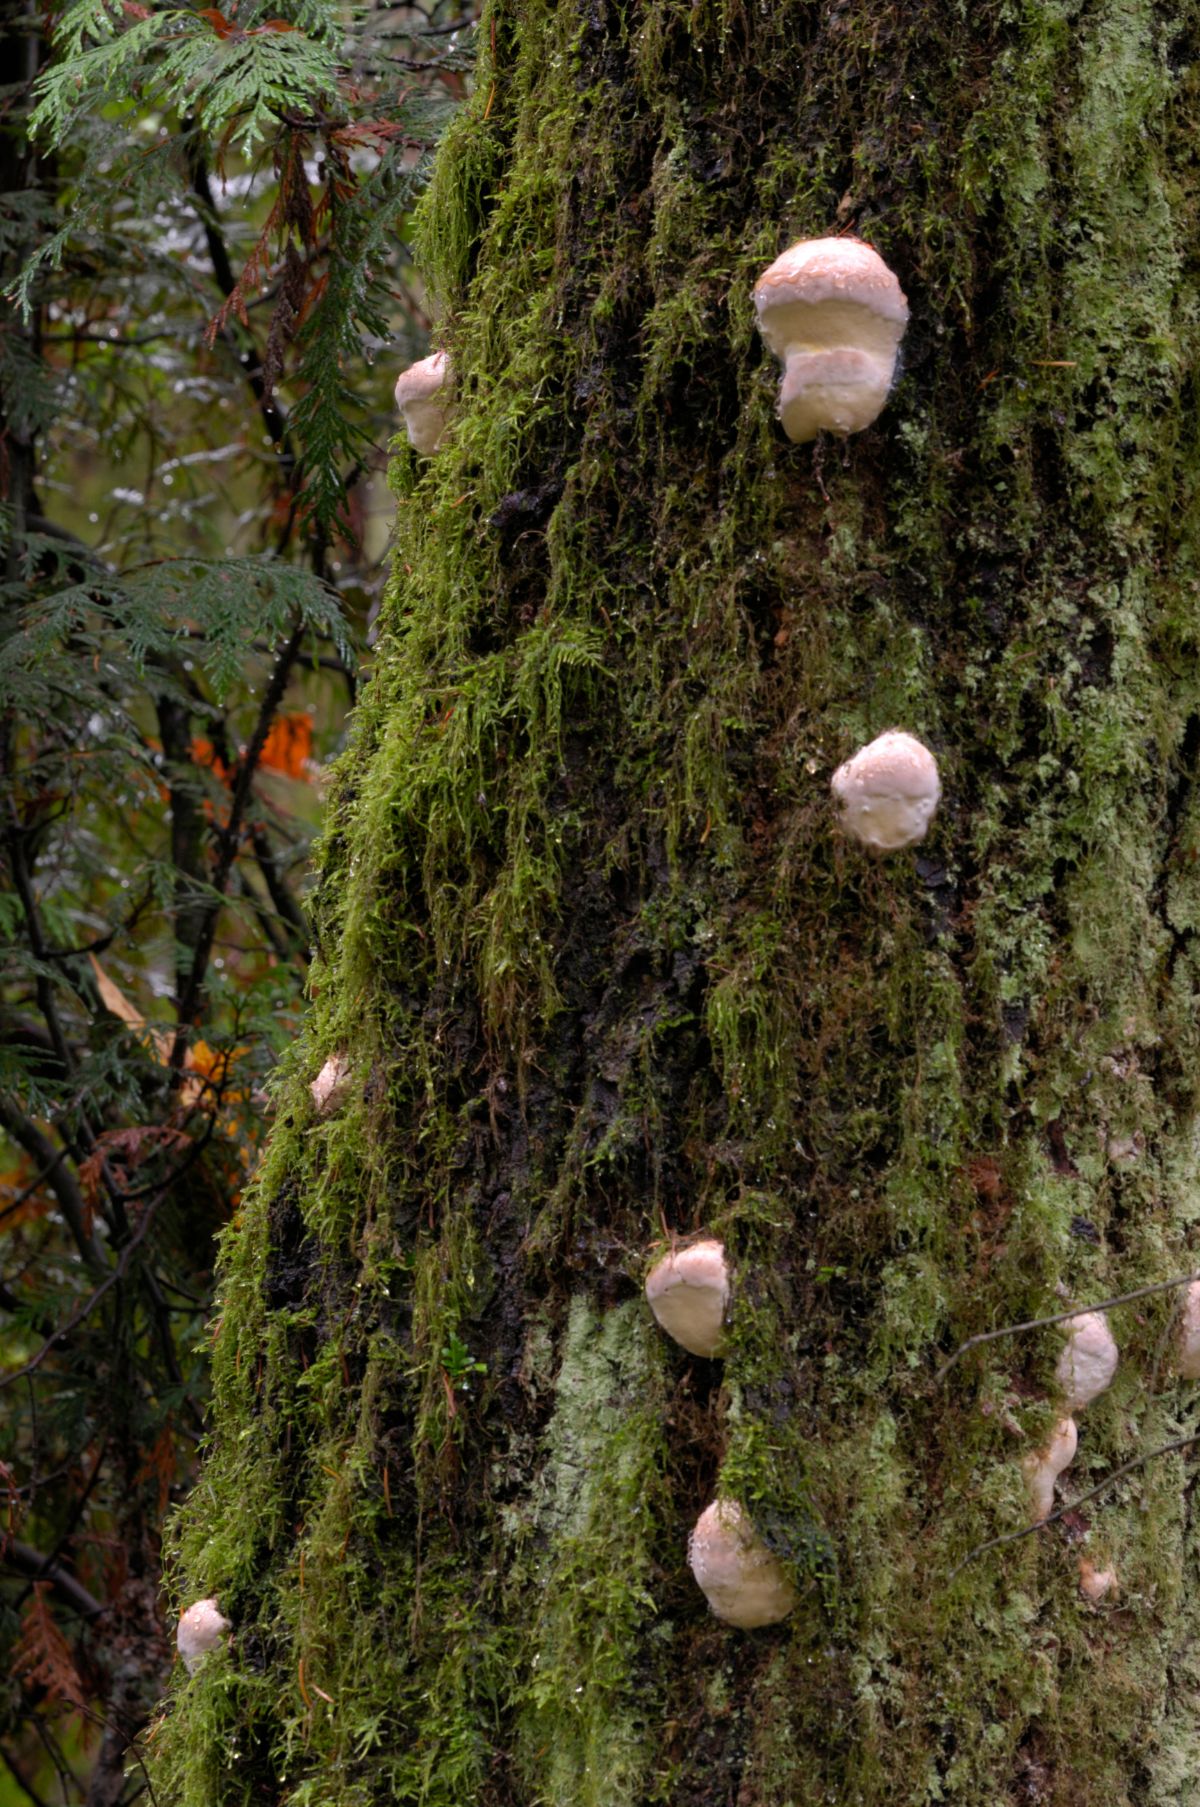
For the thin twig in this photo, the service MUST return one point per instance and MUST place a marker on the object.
(90, 1303)
(1059, 1317)
(229, 839)
(21, 1781)
(994, 1543)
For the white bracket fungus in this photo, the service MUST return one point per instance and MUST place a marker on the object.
(1088, 1361)
(1043, 1467)
(1187, 1358)
(688, 1292)
(743, 1582)
(887, 793)
(834, 315)
(331, 1087)
(201, 1629)
(421, 398)
(1094, 1583)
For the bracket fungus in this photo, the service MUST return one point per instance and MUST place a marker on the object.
(1187, 1349)
(834, 315)
(1043, 1467)
(1094, 1583)
(688, 1291)
(421, 398)
(331, 1087)
(1088, 1361)
(887, 793)
(742, 1581)
(201, 1629)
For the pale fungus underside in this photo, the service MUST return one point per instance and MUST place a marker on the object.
(688, 1292)
(423, 397)
(201, 1628)
(887, 794)
(610, 971)
(834, 315)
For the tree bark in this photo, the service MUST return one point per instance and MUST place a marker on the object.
(607, 973)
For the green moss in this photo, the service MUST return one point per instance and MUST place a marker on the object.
(605, 970)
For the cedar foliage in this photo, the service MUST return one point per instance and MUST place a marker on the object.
(201, 237)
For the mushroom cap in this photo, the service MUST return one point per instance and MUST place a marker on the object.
(1094, 1583)
(839, 390)
(887, 793)
(834, 313)
(688, 1291)
(422, 379)
(201, 1629)
(1188, 1347)
(1043, 1466)
(742, 1581)
(331, 1086)
(1088, 1361)
(843, 271)
(422, 397)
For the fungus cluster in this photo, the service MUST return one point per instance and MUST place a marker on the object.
(1084, 1370)
(834, 315)
(887, 793)
(688, 1292)
(201, 1629)
(422, 393)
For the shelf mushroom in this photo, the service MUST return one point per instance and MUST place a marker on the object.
(742, 1581)
(834, 315)
(688, 1291)
(331, 1087)
(1187, 1348)
(421, 396)
(1043, 1467)
(1088, 1361)
(201, 1629)
(887, 793)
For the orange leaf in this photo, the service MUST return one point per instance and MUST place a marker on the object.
(217, 20)
(114, 999)
(288, 746)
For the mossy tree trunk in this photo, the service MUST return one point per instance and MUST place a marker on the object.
(606, 971)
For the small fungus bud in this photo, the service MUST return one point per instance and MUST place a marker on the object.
(1043, 1467)
(1088, 1362)
(331, 1087)
(743, 1582)
(1094, 1583)
(887, 793)
(421, 393)
(688, 1292)
(1188, 1346)
(201, 1629)
(834, 314)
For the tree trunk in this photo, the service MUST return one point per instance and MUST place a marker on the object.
(607, 972)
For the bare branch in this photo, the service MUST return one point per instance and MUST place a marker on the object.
(1150, 1455)
(59, 1178)
(1059, 1317)
(36, 1567)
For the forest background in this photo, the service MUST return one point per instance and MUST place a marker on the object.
(203, 217)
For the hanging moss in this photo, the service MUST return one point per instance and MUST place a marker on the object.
(605, 970)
